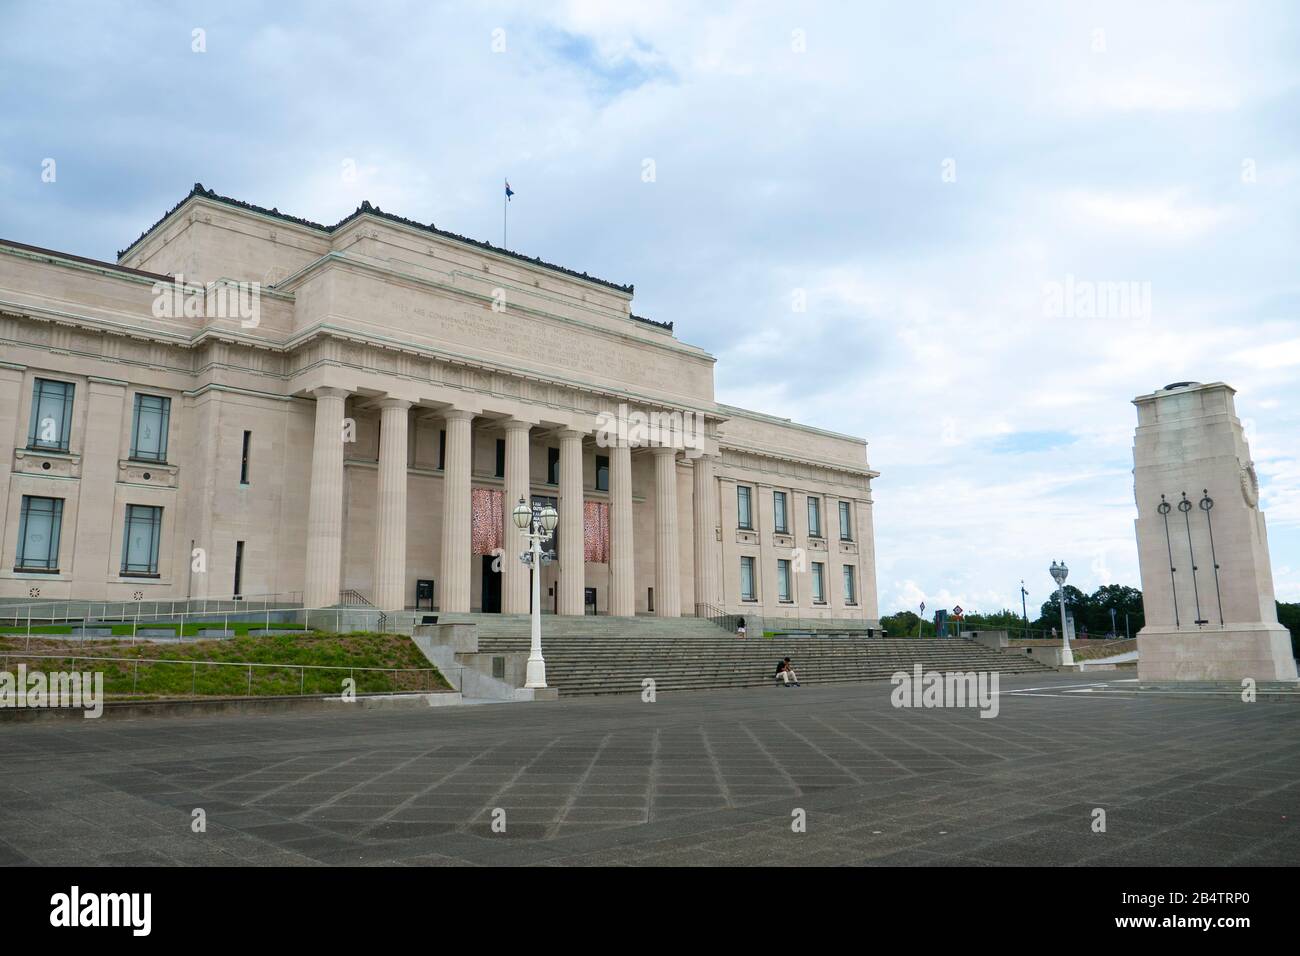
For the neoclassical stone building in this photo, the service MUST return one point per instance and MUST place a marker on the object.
(365, 419)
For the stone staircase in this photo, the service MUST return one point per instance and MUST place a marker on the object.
(605, 655)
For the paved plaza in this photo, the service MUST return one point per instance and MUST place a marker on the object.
(694, 778)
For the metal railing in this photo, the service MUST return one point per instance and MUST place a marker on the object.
(427, 674)
(62, 612)
(299, 618)
(716, 615)
(351, 597)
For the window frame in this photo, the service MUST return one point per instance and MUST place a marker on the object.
(747, 562)
(65, 426)
(602, 469)
(552, 465)
(745, 517)
(784, 582)
(155, 547)
(846, 520)
(164, 427)
(781, 515)
(849, 576)
(814, 510)
(819, 582)
(245, 458)
(56, 536)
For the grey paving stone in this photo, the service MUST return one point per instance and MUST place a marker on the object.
(698, 779)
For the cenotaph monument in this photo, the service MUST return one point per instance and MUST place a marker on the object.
(1207, 585)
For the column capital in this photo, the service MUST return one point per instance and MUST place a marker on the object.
(457, 414)
(330, 391)
(570, 434)
(393, 403)
(517, 424)
(660, 450)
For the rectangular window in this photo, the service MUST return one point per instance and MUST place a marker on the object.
(778, 509)
(552, 466)
(140, 540)
(501, 458)
(814, 518)
(818, 583)
(783, 593)
(39, 524)
(149, 427)
(748, 592)
(442, 449)
(850, 592)
(51, 415)
(239, 568)
(744, 509)
(243, 458)
(602, 473)
(846, 522)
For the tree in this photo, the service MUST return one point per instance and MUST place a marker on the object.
(900, 624)
(1124, 599)
(1288, 616)
(1076, 603)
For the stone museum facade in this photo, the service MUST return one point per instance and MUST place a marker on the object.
(251, 404)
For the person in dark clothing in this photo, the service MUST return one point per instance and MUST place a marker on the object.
(785, 672)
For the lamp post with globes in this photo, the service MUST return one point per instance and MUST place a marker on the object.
(1059, 572)
(535, 525)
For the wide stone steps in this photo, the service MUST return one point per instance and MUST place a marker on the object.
(588, 656)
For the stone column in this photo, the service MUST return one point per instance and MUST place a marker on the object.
(622, 579)
(514, 586)
(705, 500)
(668, 579)
(573, 568)
(453, 589)
(390, 507)
(325, 504)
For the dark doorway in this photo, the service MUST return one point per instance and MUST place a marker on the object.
(491, 587)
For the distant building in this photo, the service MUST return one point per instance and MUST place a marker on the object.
(366, 417)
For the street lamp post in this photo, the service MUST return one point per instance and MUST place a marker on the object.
(1059, 572)
(535, 526)
(1024, 608)
(921, 620)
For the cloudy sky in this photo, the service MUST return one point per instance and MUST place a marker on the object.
(922, 175)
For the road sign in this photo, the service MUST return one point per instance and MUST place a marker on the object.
(956, 610)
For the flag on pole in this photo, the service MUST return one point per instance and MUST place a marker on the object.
(509, 192)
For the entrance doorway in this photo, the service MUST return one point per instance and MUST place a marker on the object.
(491, 587)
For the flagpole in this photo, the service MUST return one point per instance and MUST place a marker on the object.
(505, 205)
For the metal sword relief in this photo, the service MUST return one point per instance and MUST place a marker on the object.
(1206, 505)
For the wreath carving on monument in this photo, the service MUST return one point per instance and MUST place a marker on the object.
(1250, 484)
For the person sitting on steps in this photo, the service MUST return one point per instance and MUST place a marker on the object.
(785, 672)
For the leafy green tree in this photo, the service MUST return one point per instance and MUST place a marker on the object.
(901, 624)
(1076, 603)
(1289, 616)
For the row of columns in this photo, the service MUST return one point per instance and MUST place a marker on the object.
(323, 568)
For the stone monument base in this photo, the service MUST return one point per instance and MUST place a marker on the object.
(1261, 652)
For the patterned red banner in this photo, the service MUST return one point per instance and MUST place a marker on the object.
(486, 520)
(595, 531)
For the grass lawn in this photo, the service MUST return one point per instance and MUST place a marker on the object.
(192, 678)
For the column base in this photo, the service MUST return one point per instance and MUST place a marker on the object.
(1261, 652)
(536, 673)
